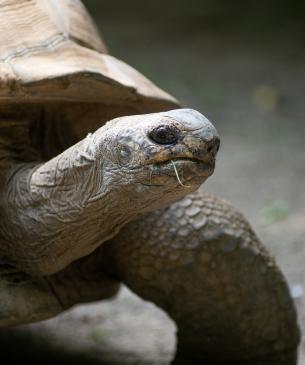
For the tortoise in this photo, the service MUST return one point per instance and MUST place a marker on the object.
(100, 171)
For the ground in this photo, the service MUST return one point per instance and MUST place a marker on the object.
(246, 73)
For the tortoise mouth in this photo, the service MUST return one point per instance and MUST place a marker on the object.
(188, 159)
(186, 171)
(168, 159)
(182, 161)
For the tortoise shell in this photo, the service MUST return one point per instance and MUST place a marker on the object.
(50, 50)
(55, 67)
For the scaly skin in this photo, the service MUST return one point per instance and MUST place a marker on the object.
(56, 212)
(201, 262)
(198, 259)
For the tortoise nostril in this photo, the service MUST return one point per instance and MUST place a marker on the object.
(213, 146)
(165, 134)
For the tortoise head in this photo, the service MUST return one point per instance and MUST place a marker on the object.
(169, 152)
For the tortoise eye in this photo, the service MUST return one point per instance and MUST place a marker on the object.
(165, 134)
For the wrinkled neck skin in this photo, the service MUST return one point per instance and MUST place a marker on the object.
(55, 212)
(59, 211)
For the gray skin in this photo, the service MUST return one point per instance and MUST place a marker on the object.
(202, 263)
(198, 259)
(65, 208)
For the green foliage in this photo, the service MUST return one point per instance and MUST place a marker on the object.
(275, 211)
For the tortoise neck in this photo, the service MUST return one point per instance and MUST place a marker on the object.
(61, 210)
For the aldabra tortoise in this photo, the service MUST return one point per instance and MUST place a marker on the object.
(70, 182)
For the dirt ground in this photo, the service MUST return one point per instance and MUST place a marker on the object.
(246, 73)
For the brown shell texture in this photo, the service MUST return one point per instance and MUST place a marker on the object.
(51, 50)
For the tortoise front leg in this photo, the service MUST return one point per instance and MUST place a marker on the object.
(25, 298)
(201, 262)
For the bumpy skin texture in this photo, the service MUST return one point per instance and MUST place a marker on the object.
(57, 212)
(200, 261)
